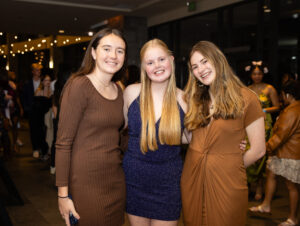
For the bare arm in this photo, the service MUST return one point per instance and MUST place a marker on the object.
(274, 99)
(256, 134)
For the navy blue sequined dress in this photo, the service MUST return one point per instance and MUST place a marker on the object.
(152, 179)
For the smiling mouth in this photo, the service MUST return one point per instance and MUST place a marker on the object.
(159, 72)
(205, 75)
(111, 63)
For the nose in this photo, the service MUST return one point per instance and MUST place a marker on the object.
(113, 54)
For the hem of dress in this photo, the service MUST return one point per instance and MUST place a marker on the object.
(151, 216)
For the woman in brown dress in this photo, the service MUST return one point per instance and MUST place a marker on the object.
(221, 111)
(88, 156)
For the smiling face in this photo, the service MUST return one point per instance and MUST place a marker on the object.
(202, 69)
(109, 54)
(257, 75)
(157, 64)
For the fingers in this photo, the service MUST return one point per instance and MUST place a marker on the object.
(75, 214)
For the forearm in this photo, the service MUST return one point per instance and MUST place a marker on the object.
(271, 109)
(251, 156)
(63, 191)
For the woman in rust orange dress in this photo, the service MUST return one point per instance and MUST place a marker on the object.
(221, 111)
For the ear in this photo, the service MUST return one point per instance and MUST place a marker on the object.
(172, 58)
(93, 53)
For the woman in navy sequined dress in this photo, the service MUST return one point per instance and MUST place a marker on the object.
(154, 111)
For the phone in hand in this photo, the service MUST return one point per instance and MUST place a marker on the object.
(73, 220)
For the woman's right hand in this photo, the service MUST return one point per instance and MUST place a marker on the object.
(66, 206)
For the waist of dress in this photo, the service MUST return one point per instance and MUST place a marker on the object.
(206, 151)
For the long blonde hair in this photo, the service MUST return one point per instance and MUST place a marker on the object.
(228, 102)
(170, 126)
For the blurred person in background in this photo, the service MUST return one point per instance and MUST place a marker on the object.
(284, 150)
(270, 103)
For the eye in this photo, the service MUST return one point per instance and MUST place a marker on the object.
(162, 59)
(204, 61)
(194, 67)
(149, 63)
(121, 51)
(106, 49)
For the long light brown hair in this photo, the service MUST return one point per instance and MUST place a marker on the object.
(228, 102)
(169, 127)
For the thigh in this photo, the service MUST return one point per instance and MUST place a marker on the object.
(138, 221)
(163, 223)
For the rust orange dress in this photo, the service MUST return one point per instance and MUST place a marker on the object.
(214, 183)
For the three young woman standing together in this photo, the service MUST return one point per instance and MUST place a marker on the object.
(88, 157)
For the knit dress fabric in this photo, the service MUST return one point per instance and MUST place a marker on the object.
(88, 156)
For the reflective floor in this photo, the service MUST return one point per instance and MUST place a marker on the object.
(36, 187)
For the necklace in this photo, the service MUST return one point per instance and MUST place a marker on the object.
(102, 83)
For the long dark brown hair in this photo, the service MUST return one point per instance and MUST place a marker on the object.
(88, 62)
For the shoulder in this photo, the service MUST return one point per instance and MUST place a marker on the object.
(248, 93)
(131, 92)
(270, 88)
(249, 96)
(180, 99)
(79, 83)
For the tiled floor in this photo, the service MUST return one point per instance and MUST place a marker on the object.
(36, 188)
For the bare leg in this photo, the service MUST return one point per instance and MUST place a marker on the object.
(294, 197)
(259, 189)
(163, 223)
(138, 221)
(269, 191)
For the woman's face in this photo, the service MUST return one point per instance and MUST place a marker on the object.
(47, 81)
(257, 75)
(157, 64)
(109, 54)
(202, 68)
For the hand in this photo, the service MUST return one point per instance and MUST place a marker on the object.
(243, 145)
(66, 206)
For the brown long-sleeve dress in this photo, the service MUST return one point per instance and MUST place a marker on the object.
(88, 155)
(213, 183)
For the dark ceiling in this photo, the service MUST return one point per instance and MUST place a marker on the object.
(73, 16)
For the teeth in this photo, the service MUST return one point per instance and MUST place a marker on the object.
(203, 76)
(159, 72)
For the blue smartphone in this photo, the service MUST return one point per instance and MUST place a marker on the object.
(73, 220)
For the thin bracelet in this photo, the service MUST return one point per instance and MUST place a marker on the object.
(63, 197)
(264, 110)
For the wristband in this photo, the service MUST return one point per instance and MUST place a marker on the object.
(264, 110)
(63, 197)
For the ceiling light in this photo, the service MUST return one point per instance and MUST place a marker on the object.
(267, 10)
(61, 31)
(294, 57)
(295, 15)
(90, 33)
(44, 40)
(29, 40)
(16, 37)
(1, 33)
(11, 45)
(39, 45)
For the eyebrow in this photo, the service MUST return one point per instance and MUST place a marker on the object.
(111, 47)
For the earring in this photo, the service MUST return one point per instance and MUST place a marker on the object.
(199, 84)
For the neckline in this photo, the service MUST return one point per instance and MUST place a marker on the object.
(94, 88)
(138, 97)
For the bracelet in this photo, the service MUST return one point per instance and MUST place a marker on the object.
(264, 110)
(63, 197)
